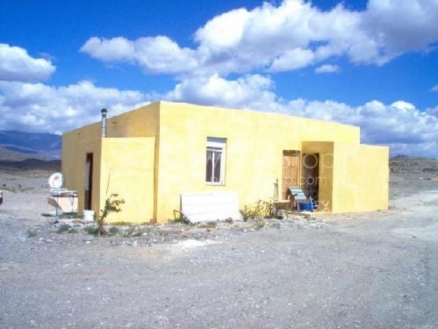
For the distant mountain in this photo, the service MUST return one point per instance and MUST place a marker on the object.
(31, 144)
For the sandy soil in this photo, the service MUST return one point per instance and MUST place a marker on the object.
(368, 270)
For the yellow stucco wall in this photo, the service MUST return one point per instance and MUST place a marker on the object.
(123, 157)
(361, 178)
(75, 146)
(165, 145)
(127, 169)
(141, 122)
(254, 146)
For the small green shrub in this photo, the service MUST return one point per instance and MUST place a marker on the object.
(32, 233)
(11, 189)
(112, 204)
(91, 230)
(121, 223)
(259, 224)
(63, 228)
(113, 230)
(258, 210)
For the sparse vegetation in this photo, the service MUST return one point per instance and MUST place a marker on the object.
(112, 204)
(260, 209)
(32, 233)
(259, 224)
(208, 225)
(66, 228)
(121, 223)
(113, 230)
(91, 230)
(11, 189)
(63, 228)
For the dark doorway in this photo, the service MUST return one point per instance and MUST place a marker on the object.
(88, 181)
(310, 177)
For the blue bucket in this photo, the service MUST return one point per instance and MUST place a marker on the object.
(305, 206)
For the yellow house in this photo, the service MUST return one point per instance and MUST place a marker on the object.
(152, 155)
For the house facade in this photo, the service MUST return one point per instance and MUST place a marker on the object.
(152, 155)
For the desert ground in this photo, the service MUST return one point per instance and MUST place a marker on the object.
(365, 270)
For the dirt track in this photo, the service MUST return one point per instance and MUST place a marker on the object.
(376, 270)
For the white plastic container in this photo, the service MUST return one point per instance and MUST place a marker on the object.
(88, 216)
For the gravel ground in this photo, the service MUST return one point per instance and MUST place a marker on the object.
(367, 270)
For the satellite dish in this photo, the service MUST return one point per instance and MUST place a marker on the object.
(56, 180)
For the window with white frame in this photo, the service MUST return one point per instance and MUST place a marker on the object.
(215, 161)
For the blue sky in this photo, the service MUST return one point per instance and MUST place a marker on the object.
(369, 63)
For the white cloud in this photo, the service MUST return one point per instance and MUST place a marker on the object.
(292, 60)
(401, 26)
(435, 89)
(38, 107)
(403, 106)
(157, 55)
(251, 91)
(327, 68)
(214, 37)
(433, 111)
(284, 37)
(17, 65)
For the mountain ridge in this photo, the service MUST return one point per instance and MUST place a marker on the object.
(45, 145)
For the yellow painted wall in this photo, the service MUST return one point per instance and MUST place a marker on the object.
(75, 145)
(361, 178)
(127, 169)
(255, 144)
(122, 159)
(141, 122)
(171, 138)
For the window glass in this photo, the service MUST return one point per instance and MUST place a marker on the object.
(215, 161)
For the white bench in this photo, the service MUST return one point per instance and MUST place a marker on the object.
(199, 207)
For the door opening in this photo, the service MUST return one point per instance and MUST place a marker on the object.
(291, 171)
(310, 178)
(88, 181)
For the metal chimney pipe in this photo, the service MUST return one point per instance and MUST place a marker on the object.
(103, 123)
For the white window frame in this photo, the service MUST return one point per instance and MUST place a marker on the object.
(218, 145)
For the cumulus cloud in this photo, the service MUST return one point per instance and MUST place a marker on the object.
(292, 60)
(252, 92)
(401, 26)
(17, 65)
(433, 111)
(39, 107)
(157, 55)
(327, 68)
(291, 35)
